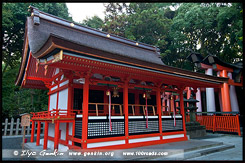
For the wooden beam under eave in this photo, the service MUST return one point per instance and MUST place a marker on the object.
(38, 78)
(204, 66)
(231, 82)
(218, 67)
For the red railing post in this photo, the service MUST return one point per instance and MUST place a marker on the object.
(214, 122)
(238, 125)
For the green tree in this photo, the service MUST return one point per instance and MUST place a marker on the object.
(15, 100)
(116, 18)
(94, 22)
(210, 27)
(13, 27)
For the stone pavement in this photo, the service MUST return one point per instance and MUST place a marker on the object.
(236, 153)
(210, 147)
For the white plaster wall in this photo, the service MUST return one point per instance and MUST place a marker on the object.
(210, 94)
(64, 83)
(55, 87)
(63, 99)
(56, 71)
(53, 101)
(233, 96)
(62, 77)
(70, 142)
(70, 128)
(51, 129)
(63, 131)
(62, 128)
(198, 97)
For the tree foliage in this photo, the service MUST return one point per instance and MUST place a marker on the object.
(13, 27)
(16, 101)
(210, 28)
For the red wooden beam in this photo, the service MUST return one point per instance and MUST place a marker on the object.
(38, 78)
(231, 82)
(205, 66)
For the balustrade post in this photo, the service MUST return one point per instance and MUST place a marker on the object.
(238, 125)
(11, 126)
(214, 123)
(6, 127)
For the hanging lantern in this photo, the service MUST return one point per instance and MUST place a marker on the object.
(108, 92)
(115, 92)
(148, 96)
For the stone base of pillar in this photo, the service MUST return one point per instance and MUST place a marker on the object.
(195, 130)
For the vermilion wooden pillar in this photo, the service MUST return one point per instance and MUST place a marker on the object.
(106, 101)
(69, 99)
(56, 135)
(73, 130)
(45, 140)
(38, 133)
(85, 112)
(125, 104)
(222, 93)
(137, 102)
(159, 110)
(172, 103)
(226, 94)
(177, 104)
(182, 110)
(32, 131)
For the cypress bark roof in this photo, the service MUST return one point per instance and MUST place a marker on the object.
(41, 25)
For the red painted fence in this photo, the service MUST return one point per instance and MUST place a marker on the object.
(227, 123)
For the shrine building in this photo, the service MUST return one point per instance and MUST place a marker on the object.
(105, 91)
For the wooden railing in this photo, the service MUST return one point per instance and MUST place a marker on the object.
(55, 113)
(227, 121)
(143, 107)
(63, 112)
(98, 112)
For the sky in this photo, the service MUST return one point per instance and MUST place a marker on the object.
(79, 11)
